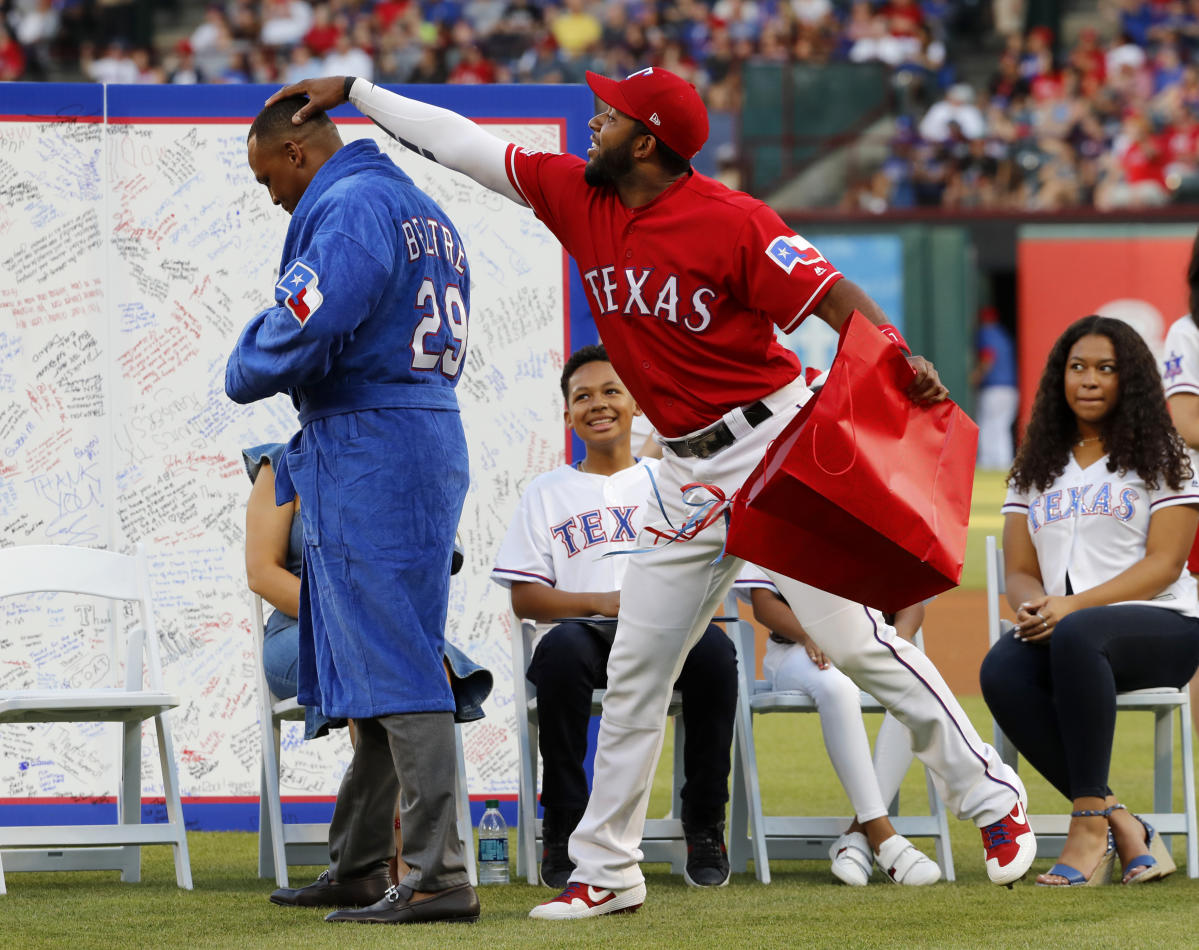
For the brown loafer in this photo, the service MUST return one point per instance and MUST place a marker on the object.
(454, 905)
(325, 892)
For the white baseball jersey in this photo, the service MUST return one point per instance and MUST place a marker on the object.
(1091, 524)
(750, 577)
(1181, 371)
(567, 521)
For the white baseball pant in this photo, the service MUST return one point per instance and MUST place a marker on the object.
(668, 598)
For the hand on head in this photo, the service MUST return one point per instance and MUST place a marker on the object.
(323, 94)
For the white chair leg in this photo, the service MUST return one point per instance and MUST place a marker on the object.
(465, 830)
(3, 888)
(174, 804)
(272, 844)
(527, 804)
(738, 830)
(129, 796)
(1188, 789)
(747, 831)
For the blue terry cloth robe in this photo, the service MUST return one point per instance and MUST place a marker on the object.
(368, 335)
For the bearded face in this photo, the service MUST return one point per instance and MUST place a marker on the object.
(608, 167)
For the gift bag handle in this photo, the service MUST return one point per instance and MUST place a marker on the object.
(852, 428)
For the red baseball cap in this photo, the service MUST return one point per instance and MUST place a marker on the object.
(668, 105)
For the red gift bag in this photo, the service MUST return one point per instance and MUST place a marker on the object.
(865, 494)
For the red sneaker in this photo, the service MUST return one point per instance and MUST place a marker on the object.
(582, 900)
(1009, 846)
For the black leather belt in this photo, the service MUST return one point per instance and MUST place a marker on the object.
(719, 436)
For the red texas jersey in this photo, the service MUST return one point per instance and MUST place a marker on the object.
(685, 290)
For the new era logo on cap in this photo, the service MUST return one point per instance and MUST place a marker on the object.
(662, 100)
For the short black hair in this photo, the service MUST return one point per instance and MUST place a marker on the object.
(595, 353)
(274, 121)
(672, 161)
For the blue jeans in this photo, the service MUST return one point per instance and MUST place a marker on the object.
(280, 663)
(1056, 699)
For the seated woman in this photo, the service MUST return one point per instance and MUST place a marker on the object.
(274, 547)
(1100, 514)
(794, 662)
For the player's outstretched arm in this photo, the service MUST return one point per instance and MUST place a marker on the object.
(438, 134)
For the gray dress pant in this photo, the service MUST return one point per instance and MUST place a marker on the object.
(412, 755)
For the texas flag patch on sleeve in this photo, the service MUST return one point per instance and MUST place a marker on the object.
(789, 250)
(300, 293)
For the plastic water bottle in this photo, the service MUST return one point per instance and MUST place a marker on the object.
(493, 845)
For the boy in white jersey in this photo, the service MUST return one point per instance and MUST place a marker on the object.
(558, 561)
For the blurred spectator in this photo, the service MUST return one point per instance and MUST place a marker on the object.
(575, 29)
(1136, 168)
(285, 22)
(994, 380)
(301, 64)
(148, 70)
(541, 63)
(429, 68)
(958, 110)
(1124, 52)
(35, 24)
(472, 68)
(12, 57)
(113, 66)
(116, 20)
(180, 65)
(346, 59)
(323, 34)
(1007, 16)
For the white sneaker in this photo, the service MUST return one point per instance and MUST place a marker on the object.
(852, 860)
(903, 864)
(581, 900)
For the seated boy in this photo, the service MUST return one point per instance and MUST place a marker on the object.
(552, 560)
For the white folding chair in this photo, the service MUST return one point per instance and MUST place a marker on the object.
(283, 843)
(662, 839)
(130, 701)
(1161, 701)
(753, 834)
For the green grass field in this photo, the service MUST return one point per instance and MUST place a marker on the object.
(989, 492)
(804, 907)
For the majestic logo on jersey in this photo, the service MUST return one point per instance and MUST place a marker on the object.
(1076, 501)
(787, 251)
(636, 291)
(595, 527)
(300, 293)
(1173, 366)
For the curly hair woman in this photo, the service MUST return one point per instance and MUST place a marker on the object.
(1101, 510)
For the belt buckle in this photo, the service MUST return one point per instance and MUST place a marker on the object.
(706, 445)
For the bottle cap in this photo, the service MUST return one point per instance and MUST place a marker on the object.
(491, 803)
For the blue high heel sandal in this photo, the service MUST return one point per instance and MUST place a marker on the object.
(1158, 863)
(1103, 870)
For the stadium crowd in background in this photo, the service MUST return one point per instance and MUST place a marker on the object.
(1109, 118)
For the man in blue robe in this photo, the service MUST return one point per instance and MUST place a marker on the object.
(368, 336)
